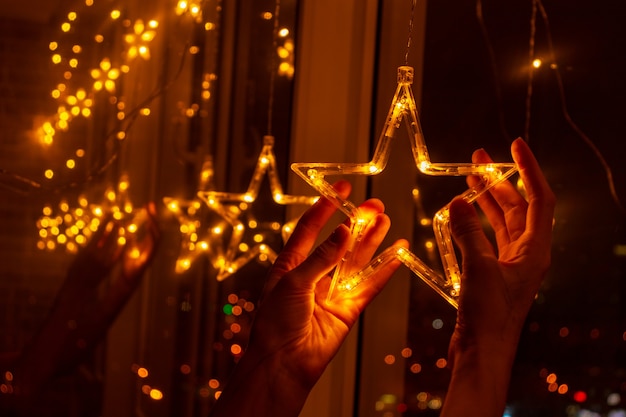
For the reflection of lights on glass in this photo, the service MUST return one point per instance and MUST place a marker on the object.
(140, 37)
(105, 76)
(437, 324)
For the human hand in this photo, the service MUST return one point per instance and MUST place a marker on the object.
(105, 250)
(498, 286)
(296, 333)
(81, 316)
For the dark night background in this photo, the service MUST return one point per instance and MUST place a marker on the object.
(475, 90)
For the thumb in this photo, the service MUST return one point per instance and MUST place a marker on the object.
(467, 230)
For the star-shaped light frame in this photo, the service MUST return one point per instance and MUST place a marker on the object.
(403, 107)
(231, 206)
(196, 235)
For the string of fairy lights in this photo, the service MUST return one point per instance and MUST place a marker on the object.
(79, 94)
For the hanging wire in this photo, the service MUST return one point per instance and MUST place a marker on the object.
(529, 83)
(537, 7)
(566, 115)
(273, 70)
(494, 69)
(409, 37)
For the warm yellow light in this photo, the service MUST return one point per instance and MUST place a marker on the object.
(115, 14)
(155, 394)
(283, 52)
(285, 68)
(70, 163)
(537, 63)
(283, 32)
(56, 58)
(65, 27)
(53, 46)
(49, 174)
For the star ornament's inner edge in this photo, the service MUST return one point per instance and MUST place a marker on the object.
(219, 201)
(403, 106)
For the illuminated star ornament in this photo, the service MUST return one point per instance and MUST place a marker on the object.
(403, 108)
(232, 206)
(197, 238)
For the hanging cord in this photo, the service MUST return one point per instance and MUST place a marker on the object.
(270, 105)
(531, 72)
(494, 69)
(537, 4)
(410, 34)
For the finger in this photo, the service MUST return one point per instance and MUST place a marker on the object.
(141, 245)
(322, 260)
(503, 203)
(541, 199)
(106, 248)
(311, 223)
(370, 240)
(467, 231)
(303, 237)
(365, 292)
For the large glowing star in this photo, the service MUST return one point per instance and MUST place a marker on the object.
(403, 107)
(232, 206)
